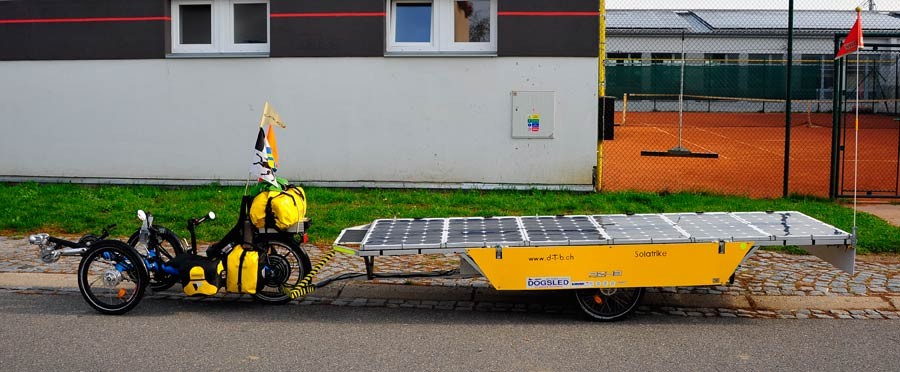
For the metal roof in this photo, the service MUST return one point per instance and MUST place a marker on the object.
(803, 20)
(646, 19)
(750, 21)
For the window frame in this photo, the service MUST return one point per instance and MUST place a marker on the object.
(177, 46)
(442, 31)
(222, 29)
(396, 46)
(231, 46)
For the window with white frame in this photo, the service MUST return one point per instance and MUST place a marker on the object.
(441, 26)
(220, 26)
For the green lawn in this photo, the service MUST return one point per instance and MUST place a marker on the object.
(76, 209)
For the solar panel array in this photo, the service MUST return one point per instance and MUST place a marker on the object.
(763, 228)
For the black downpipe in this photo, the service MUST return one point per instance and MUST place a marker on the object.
(835, 121)
(787, 98)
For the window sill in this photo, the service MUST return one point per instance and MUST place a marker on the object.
(442, 54)
(217, 55)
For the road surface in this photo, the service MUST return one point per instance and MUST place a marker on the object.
(43, 332)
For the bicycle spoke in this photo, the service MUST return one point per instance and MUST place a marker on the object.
(608, 304)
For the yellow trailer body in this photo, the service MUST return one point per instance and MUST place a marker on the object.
(608, 266)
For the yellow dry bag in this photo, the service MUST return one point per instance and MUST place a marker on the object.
(241, 270)
(278, 209)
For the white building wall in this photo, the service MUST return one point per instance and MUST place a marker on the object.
(349, 119)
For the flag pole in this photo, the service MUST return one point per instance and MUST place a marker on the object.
(681, 95)
(247, 185)
(856, 125)
(856, 144)
(853, 44)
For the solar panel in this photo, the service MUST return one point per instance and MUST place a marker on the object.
(556, 230)
(783, 225)
(484, 232)
(400, 233)
(716, 226)
(640, 228)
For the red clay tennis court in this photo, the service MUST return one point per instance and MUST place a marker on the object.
(750, 147)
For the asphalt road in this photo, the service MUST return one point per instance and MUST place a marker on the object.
(60, 332)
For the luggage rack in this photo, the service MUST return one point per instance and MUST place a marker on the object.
(299, 228)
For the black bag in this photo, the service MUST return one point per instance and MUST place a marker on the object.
(199, 275)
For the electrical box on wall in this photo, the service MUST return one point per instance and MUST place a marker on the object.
(532, 114)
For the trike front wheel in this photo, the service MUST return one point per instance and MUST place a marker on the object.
(167, 246)
(112, 277)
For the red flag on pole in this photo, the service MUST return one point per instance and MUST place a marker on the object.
(854, 39)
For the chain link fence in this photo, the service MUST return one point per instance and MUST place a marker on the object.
(874, 78)
(700, 99)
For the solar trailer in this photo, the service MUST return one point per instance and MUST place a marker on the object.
(607, 260)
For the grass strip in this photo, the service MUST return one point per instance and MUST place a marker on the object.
(75, 209)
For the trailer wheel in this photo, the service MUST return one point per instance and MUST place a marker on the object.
(608, 304)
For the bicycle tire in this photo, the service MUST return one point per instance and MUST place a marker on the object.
(159, 280)
(288, 264)
(608, 304)
(118, 285)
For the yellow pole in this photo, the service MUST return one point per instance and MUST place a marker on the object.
(601, 66)
(601, 87)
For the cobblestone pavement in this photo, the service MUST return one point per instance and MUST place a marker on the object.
(766, 274)
(548, 307)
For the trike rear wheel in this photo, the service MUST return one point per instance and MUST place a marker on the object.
(286, 264)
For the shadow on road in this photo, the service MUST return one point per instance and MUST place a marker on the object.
(234, 308)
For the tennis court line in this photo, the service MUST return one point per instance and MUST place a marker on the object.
(693, 144)
(742, 142)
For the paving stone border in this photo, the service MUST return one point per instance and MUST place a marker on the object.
(768, 285)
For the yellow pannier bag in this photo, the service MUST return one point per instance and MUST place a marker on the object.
(198, 275)
(241, 270)
(281, 209)
(200, 283)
